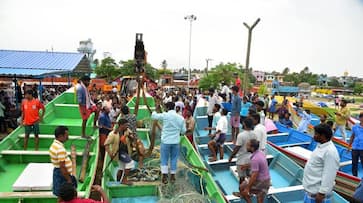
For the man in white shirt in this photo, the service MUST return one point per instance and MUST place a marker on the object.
(260, 132)
(240, 149)
(305, 121)
(219, 137)
(225, 91)
(321, 169)
(213, 99)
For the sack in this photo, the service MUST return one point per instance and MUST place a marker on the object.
(358, 194)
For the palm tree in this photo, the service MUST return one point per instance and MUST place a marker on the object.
(286, 71)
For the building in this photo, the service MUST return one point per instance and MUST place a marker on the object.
(259, 75)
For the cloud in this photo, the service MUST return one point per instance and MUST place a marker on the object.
(325, 35)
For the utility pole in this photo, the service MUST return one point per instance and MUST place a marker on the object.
(207, 60)
(191, 18)
(245, 78)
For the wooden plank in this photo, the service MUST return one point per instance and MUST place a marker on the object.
(33, 195)
(277, 134)
(45, 136)
(67, 105)
(273, 190)
(295, 144)
(28, 152)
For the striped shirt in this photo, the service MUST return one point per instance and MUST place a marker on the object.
(58, 154)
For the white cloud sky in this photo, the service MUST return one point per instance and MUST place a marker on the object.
(325, 35)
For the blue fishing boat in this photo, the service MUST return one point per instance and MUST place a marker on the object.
(286, 175)
(299, 146)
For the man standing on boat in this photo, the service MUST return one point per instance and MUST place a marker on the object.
(86, 105)
(63, 172)
(260, 132)
(243, 156)
(30, 109)
(341, 118)
(356, 144)
(235, 113)
(173, 127)
(213, 99)
(321, 169)
(260, 181)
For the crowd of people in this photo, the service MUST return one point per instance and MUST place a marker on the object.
(226, 109)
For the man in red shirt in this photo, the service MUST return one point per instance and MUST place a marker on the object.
(30, 117)
(69, 195)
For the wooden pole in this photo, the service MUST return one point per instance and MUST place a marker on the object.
(85, 161)
(74, 158)
(245, 76)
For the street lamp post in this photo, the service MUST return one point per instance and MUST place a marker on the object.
(207, 61)
(191, 18)
(245, 78)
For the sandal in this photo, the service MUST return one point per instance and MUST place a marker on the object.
(164, 179)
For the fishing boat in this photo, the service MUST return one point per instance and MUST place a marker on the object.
(150, 190)
(26, 175)
(286, 175)
(299, 146)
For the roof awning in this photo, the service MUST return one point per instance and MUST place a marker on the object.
(35, 64)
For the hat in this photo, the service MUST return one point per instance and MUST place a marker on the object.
(124, 157)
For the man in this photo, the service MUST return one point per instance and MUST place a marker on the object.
(116, 149)
(244, 109)
(86, 105)
(68, 194)
(320, 170)
(173, 126)
(243, 156)
(219, 137)
(259, 109)
(282, 111)
(286, 121)
(323, 118)
(30, 115)
(216, 117)
(266, 101)
(356, 144)
(341, 118)
(131, 118)
(62, 172)
(272, 108)
(213, 99)
(225, 91)
(235, 113)
(260, 132)
(105, 127)
(305, 121)
(260, 181)
(190, 125)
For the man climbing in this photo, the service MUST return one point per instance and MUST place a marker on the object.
(115, 148)
(86, 105)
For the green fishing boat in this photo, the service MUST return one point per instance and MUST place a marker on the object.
(26, 175)
(194, 183)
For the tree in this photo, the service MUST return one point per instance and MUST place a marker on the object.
(128, 68)
(164, 72)
(286, 71)
(218, 74)
(108, 68)
(358, 88)
(334, 83)
(262, 90)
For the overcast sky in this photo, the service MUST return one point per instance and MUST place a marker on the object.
(325, 35)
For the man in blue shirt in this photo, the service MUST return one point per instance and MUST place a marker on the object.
(105, 127)
(356, 144)
(173, 126)
(244, 109)
(235, 113)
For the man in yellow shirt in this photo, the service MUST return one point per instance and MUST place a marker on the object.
(341, 118)
(62, 172)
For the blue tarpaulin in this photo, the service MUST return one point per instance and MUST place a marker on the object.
(35, 63)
